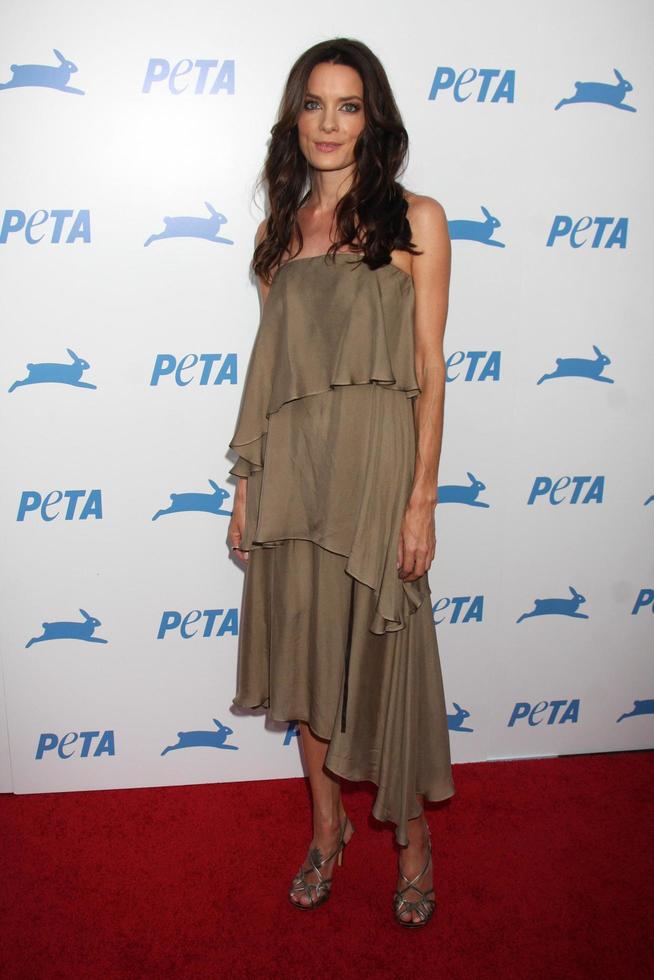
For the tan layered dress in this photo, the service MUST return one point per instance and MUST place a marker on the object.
(329, 633)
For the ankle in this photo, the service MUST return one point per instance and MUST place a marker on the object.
(418, 831)
(327, 826)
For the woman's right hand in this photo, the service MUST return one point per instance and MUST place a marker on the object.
(237, 522)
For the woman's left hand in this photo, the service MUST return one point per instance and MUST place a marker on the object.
(417, 543)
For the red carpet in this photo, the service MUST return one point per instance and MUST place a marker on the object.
(543, 870)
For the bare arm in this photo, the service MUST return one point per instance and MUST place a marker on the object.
(431, 277)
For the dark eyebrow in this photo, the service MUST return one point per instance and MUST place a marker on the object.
(342, 98)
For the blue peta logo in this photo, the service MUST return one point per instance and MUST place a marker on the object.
(215, 369)
(292, 731)
(67, 746)
(482, 365)
(645, 600)
(204, 76)
(461, 609)
(555, 490)
(79, 505)
(479, 84)
(174, 622)
(66, 226)
(565, 227)
(552, 712)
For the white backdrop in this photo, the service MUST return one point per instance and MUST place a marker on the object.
(169, 116)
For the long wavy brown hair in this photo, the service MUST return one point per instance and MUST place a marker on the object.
(375, 204)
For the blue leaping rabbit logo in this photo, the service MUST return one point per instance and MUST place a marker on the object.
(44, 76)
(192, 227)
(476, 231)
(580, 367)
(601, 92)
(455, 721)
(208, 739)
(640, 708)
(206, 503)
(54, 373)
(557, 607)
(64, 630)
(461, 494)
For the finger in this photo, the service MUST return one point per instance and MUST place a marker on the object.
(418, 572)
(408, 564)
(420, 566)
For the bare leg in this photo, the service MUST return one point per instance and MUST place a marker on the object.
(412, 861)
(328, 810)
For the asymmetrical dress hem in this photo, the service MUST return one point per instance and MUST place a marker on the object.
(382, 813)
(329, 633)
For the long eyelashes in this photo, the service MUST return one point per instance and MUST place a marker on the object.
(354, 105)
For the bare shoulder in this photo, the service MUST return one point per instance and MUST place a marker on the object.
(428, 220)
(430, 234)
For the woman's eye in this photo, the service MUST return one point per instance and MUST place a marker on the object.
(352, 105)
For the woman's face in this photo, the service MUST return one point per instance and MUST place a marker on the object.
(332, 116)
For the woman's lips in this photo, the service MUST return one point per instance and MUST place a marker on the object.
(327, 147)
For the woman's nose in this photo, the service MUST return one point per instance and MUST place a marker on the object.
(329, 121)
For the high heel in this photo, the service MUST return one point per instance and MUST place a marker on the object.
(318, 891)
(424, 906)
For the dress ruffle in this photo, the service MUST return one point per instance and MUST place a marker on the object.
(326, 439)
(327, 403)
(298, 609)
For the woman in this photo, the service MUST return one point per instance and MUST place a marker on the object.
(339, 437)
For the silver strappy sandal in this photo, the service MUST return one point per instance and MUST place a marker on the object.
(424, 906)
(317, 891)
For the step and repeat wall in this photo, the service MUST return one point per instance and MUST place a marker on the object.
(134, 134)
